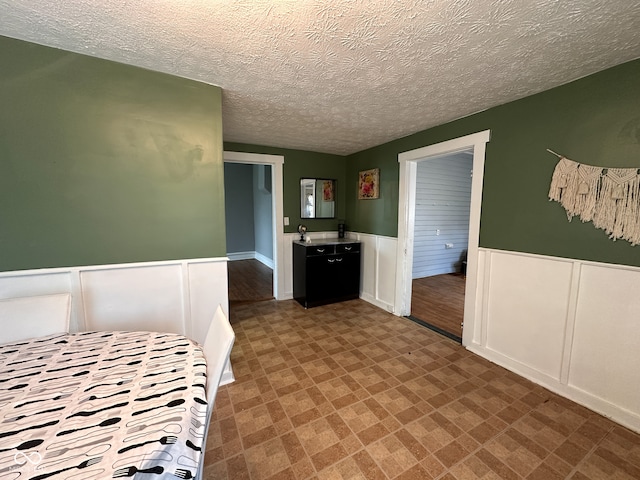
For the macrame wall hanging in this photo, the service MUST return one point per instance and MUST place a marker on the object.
(608, 197)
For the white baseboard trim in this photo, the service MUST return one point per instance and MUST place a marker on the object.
(264, 260)
(241, 256)
(603, 407)
(378, 303)
(564, 324)
(251, 256)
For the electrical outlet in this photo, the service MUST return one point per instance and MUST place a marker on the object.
(448, 245)
(438, 231)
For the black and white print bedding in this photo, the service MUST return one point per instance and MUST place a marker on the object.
(98, 405)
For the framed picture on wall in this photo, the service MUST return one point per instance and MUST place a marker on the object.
(327, 190)
(369, 184)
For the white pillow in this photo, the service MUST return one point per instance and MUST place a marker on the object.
(30, 317)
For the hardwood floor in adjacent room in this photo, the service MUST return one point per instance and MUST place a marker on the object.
(249, 281)
(439, 301)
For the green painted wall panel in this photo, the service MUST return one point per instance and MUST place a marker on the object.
(303, 164)
(105, 163)
(594, 120)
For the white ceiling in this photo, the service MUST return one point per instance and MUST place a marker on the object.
(340, 76)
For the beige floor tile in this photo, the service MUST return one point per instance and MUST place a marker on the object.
(348, 391)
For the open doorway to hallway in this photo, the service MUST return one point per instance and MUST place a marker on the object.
(256, 270)
(249, 231)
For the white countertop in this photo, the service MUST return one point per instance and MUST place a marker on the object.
(326, 241)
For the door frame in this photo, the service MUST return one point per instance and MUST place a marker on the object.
(276, 162)
(406, 220)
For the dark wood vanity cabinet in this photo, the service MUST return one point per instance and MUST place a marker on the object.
(325, 272)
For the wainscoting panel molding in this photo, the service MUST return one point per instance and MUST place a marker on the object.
(156, 302)
(606, 342)
(178, 296)
(527, 310)
(378, 269)
(569, 325)
(288, 264)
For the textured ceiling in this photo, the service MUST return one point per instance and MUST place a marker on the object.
(343, 75)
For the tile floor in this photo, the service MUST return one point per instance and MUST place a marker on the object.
(348, 391)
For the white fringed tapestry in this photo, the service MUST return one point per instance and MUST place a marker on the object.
(608, 197)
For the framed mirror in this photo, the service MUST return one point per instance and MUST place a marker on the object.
(317, 198)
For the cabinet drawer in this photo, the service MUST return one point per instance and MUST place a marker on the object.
(347, 248)
(321, 250)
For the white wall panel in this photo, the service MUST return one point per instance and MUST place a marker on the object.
(174, 296)
(144, 290)
(528, 310)
(207, 282)
(368, 265)
(570, 325)
(155, 303)
(605, 358)
(288, 264)
(386, 270)
(378, 269)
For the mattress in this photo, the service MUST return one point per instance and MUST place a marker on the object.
(98, 405)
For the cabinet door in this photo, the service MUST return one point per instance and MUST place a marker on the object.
(349, 278)
(320, 277)
(334, 277)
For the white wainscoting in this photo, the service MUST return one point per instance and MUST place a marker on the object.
(178, 296)
(378, 269)
(569, 325)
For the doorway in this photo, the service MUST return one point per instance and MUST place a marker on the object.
(409, 161)
(440, 244)
(274, 182)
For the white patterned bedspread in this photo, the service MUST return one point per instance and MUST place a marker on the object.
(98, 405)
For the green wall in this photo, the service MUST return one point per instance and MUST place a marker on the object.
(302, 164)
(105, 163)
(594, 120)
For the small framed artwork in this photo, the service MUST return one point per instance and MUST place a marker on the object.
(327, 190)
(369, 184)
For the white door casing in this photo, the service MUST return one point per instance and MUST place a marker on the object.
(406, 218)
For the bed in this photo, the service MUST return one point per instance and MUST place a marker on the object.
(97, 405)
